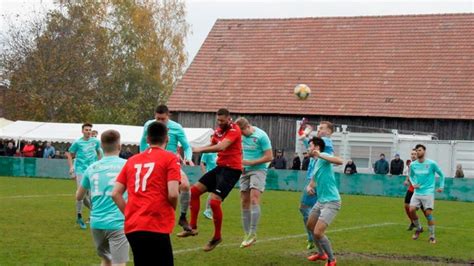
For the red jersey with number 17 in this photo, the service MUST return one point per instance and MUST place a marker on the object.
(232, 156)
(146, 176)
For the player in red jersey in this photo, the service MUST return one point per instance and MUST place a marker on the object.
(151, 180)
(227, 142)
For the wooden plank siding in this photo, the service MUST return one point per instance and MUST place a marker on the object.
(282, 128)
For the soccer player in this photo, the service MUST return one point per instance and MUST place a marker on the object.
(151, 180)
(257, 156)
(329, 200)
(208, 162)
(410, 191)
(175, 135)
(227, 142)
(86, 151)
(422, 177)
(106, 219)
(325, 130)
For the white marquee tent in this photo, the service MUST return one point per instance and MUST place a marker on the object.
(68, 132)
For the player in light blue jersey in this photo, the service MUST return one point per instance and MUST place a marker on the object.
(175, 135)
(107, 222)
(422, 177)
(208, 162)
(329, 201)
(257, 155)
(86, 151)
(325, 130)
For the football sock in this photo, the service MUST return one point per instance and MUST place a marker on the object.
(255, 216)
(217, 217)
(246, 220)
(184, 201)
(326, 245)
(195, 204)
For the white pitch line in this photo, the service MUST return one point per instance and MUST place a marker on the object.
(37, 196)
(290, 236)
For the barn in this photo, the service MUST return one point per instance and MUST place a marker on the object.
(414, 73)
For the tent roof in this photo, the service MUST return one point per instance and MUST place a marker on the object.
(69, 132)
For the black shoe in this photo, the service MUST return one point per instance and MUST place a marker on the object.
(411, 227)
(212, 244)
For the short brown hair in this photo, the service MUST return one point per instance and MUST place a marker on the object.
(242, 122)
(329, 125)
(109, 139)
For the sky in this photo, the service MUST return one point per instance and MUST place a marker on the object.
(201, 14)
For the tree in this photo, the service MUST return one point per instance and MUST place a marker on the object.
(100, 61)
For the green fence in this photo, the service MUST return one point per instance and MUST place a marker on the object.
(461, 189)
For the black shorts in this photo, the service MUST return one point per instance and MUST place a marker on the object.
(150, 247)
(221, 180)
(408, 196)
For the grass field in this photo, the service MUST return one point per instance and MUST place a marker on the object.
(37, 227)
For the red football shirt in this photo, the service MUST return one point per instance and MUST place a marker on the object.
(146, 177)
(232, 156)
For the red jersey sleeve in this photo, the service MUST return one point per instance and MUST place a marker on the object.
(122, 177)
(173, 170)
(233, 135)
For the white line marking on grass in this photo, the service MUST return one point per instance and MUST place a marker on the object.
(37, 196)
(179, 251)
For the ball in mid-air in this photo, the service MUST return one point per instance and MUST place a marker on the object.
(302, 91)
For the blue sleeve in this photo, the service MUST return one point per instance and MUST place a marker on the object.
(143, 142)
(265, 143)
(441, 175)
(188, 152)
(73, 148)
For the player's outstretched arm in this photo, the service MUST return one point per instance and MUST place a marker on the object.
(214, 148)
(332, 159)
(188, 152)
(69, 156)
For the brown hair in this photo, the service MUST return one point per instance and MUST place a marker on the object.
(329, 125)
(242, 122)
(110, 138)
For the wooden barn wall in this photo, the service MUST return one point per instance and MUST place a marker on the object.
(281, 129)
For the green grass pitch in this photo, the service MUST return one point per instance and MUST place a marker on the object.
(37, 227)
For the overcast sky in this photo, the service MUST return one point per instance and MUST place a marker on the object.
(202, 14)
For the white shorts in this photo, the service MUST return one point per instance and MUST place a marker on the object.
(111, 245)
(425, 201)
(326, 211)
(253, 180)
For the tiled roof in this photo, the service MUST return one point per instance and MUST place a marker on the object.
(416, 66)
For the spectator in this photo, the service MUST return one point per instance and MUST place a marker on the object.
(350, 168)
(396, 165)
(296, 162)
(29, 149)
(2, 148)
(305, 164)
(381, 166)
(279, 162)
(49, 151)
(459, 172)
(10, 150)
(39, 150)
(59, 155)
(126, 154)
